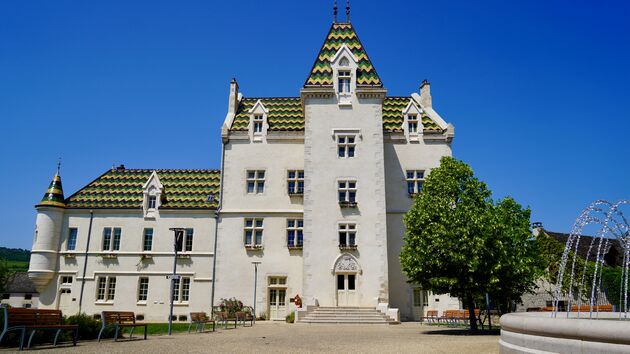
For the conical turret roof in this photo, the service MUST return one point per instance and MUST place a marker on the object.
(54, 194)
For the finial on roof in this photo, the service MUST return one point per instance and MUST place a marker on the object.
(54, 193)
(348, 11)
(59, 165)
(335, 12)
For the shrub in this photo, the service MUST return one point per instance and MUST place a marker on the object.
(290, 317)
(231, 305)
(88, 326)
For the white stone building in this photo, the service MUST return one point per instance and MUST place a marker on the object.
(314, 187)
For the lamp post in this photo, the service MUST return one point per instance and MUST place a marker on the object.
(256, 263)
(179, 234)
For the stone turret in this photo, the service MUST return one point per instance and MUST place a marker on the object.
(45, 250)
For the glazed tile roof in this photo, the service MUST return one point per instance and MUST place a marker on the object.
(393, 117)
(285, 113)
(54, 193)
(121, 188)
(339, 34)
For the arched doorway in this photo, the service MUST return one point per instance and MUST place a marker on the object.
(346, 270)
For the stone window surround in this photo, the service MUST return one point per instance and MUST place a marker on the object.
(298, 177)
(253, 228)
(296, 228)
(71, 244)
(257, 180)
(348, 230)
(105, 289)
(414, 179)
(111, 238)
(143, 289)
(181, 290)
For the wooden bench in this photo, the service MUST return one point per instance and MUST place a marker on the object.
(118, 320)
(245, 315)
(225, 317)
(199, 319)
(23, 320)
(587, 308)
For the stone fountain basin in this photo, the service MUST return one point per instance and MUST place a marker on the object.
(538, 332)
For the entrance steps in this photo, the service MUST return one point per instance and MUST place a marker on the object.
(346, 315)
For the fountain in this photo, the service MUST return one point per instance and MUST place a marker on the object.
(586, 322)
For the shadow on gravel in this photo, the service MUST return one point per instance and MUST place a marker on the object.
(464, 332)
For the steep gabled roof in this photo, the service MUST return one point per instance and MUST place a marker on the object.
(122, 188)
(393, 116)
(285, 113)
(339, 34)
(54, 193)
(19, 282)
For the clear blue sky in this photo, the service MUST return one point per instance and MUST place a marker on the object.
(537, 90)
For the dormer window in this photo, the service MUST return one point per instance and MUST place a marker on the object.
(152, 202)
(258, 123)
(152, 196)
(412, 123)
(344, 81)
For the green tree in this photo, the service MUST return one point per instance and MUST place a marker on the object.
(459, 242)
(5, 274)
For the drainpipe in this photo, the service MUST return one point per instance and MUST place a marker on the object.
(216, 230)
(87, 247)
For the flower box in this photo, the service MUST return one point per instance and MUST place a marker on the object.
(108, 255)
(183, 255)
(70, 255)
(294, 247)
(253, 247)
(347, 247)
(345, 204)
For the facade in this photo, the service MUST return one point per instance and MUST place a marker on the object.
(20, 292)
(312, 188)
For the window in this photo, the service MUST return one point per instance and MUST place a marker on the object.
(295, 181)
(110, 244)
(258, 124)
(414, 178)
(347, 235)
(106, 289)
(185, 243)
(412, 123)
(66, 279)
(345, 145)
(72, 239)
(28, 296)
(253, 232)
(277, 281)
(152, 202)
(143, 289)
(295, 233)
(344, 81)
(255, 181)
(147, 243)
(347, 193)
(181, 289)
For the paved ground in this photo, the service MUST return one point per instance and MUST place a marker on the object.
(269, 337)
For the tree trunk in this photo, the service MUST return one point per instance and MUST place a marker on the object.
(470, 302)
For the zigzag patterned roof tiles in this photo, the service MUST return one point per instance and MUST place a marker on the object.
(339, 34)
(285, 113)
(393, 117)
(122, 189)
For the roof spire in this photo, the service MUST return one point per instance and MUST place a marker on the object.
(348, 11)
(54, 193)
(335, 11)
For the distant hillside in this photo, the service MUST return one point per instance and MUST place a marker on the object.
(15, 254)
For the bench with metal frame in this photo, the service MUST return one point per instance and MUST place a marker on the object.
(246, 315)
(118, 320)
(23, 320)
(224, 317)
(199, 319)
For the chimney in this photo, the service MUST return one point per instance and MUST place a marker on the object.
(233, 101)
(425, 93)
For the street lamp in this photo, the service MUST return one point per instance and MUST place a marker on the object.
(179, 235)
(256, 263)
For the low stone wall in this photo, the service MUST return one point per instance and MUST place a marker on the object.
(538, 332)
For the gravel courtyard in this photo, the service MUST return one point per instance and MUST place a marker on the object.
(270, 337)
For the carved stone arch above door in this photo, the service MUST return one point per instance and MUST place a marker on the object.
(346, 263)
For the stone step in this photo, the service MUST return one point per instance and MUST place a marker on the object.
(381, 322)
(346, 315)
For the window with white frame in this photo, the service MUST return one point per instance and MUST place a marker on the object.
(344, 81)
(295, 233)
(258, 123)
(111, 238)
(66, 279)
(295, 181)
(72, 239)
(255, 181)
(346, 145)
(152, 202)
(185, 243)
(412, 123)
(347, 235)
(147, 241)
(143, 289)
(106, 288)
(415, 179)
(181, 289)
(347, 191)
(253, 232)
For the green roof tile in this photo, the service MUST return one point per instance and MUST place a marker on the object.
(122, 189)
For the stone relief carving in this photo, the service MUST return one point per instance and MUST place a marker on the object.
(346, 264)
